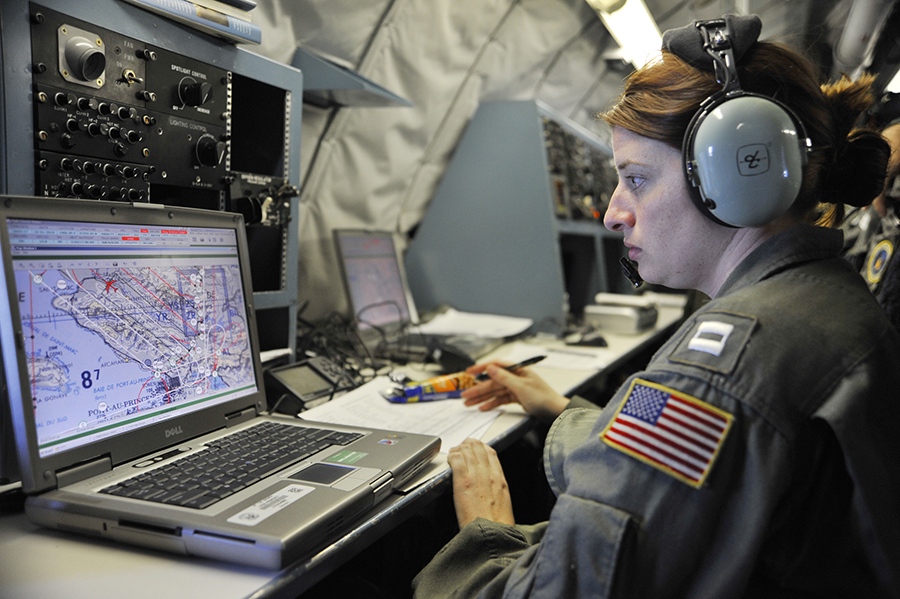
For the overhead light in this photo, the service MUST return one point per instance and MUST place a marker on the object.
(609, 6)
(630, 24)
(894, 85)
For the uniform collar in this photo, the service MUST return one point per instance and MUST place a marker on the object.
(800, 243)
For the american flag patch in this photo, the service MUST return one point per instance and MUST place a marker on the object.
(669, 430)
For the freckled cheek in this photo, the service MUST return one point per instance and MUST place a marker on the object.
(662, 230)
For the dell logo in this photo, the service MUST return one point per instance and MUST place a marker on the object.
(173, 431)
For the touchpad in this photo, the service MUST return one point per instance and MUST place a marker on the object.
(324, 474)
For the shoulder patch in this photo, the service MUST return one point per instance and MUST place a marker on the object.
(879, 258)
(669, 430)
(715, 341)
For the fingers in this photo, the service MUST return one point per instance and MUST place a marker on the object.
(496, 401)
(479, 486)
(475, 464)
(457, 461)
(477, 369)
(523, 387)
(505, 378)
(487, 370)
(462, 460)
(467, 449)
(472, 455)
(493, 397)
(485, 391)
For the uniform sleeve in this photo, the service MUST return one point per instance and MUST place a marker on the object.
(477, 560)
(488, 560)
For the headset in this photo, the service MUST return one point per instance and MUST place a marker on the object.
(743, 153)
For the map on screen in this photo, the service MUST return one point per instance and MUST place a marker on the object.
(125, 325)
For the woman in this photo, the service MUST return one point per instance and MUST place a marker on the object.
(755, 455)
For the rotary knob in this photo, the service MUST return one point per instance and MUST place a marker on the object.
(210, 151)
(194, 93)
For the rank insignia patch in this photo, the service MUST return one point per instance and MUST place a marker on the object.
(669, 430)
(715, 341)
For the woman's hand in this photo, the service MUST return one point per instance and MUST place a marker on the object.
(479, 486)
(522, 386)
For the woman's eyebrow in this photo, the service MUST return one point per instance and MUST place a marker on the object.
(626, 163)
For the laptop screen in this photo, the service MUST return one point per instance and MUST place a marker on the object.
(374, 278)
(127, 325)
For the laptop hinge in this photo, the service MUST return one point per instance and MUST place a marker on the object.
(82, 471)
(239, 417)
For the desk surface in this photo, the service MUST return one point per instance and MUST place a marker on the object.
(39, 563)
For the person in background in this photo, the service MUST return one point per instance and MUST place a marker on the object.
(756, 455)
(877, 230)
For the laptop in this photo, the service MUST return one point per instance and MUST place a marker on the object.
(382, 304)
(137, 398)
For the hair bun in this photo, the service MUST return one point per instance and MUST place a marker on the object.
(858, 171)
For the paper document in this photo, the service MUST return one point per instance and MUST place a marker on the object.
(448, 419)
(563, 358)
(453, 322)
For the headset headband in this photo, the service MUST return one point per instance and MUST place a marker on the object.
(717, 43)
(690, 44)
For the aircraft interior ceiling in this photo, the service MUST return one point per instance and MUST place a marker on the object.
(378, 167)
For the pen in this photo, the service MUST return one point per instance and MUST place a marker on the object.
(484, 376)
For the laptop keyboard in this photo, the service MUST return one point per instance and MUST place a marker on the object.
(227, 465)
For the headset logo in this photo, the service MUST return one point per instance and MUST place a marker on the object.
(753, 160)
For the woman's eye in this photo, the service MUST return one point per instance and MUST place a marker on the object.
(634, 181)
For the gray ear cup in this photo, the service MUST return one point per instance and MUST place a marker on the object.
(743, 158)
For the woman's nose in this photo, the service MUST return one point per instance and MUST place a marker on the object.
(617, 216)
